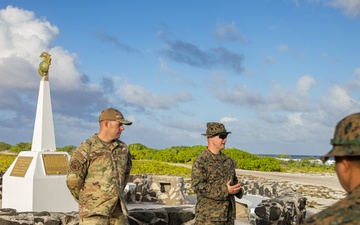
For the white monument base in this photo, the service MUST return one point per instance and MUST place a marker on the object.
(30, 186)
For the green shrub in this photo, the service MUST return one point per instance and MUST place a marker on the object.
(176, 154)
(21, 146)
(306, 165)
(4, 146)
(68, 149)
(284, 156)
(248, 161)
(159, 168)
(185, 154)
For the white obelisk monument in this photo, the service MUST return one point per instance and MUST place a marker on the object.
(36, 180)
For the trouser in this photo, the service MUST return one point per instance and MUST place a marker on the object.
(116, 218)
(206, 222)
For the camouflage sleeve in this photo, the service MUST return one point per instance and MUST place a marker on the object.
(208, 189)
(77, 170)
(344, 211)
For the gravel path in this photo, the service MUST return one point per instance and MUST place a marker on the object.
(317, 179)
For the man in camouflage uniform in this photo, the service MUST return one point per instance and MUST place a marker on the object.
(346, 151)
(214, 180)
(98, 172)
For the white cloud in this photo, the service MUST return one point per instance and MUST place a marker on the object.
(229, 32)
(240, 95)
(339, 101)
(227, 119)
(270, 59)
(283, 48)
(295, 118)
(279, 98)
(23, 35)
(331, 59)
(286, 49)
(139, 96)
(304, 83)
(357, 72)
(23, 39)
(164, 67)
(350, 8)
(63, 72)
(296, 2)
(283, 99)
(286, 118)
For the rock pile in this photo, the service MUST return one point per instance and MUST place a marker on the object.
(168, 200)
(139, 216)
(288, 208)
(165, 190)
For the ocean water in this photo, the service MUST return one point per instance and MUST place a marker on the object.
(294, 157)
(298, 157)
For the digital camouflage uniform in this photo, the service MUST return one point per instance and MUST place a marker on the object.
(344, 212)
(210, 173)
(346, 143)
(97, 175)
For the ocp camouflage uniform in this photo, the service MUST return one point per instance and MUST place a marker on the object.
(97, 175)
(210, 173)
(344, 212)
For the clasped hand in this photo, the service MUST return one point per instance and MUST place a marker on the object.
(233, 189)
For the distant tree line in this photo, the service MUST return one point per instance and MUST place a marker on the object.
(187, 155)
(26, 146)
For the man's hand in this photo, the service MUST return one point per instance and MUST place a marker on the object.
(233, 189)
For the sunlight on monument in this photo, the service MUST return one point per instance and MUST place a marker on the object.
(36, 180)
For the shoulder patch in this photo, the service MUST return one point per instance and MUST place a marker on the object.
(75, 165)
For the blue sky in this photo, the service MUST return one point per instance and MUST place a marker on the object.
(278, 73)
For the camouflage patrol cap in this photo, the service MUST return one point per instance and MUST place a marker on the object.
(215, 128)
(112, 114)
(346, 141)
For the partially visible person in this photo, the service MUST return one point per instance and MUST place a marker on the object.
(346, 151)
(98, 171)
(214, 180)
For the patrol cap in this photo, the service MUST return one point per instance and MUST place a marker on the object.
(112, 114)
(346, 141)
(215, 128)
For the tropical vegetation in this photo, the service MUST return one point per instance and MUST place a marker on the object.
(153, 161)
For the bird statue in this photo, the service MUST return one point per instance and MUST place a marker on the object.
(44, 66)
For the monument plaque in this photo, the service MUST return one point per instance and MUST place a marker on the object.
(21, 166)
(42, 186)
(55, 164)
